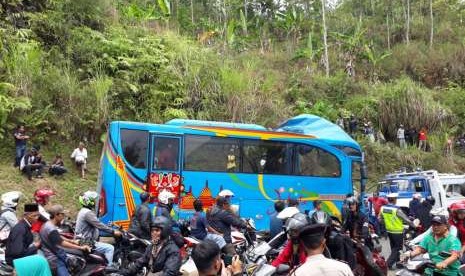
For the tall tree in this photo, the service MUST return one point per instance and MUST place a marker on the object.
(432, 23)
(407, 23)
(325, 36)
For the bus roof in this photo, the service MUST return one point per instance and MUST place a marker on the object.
(185, 122)
(305, 125)
(321, 128)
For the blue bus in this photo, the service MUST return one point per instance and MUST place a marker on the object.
(305, 158)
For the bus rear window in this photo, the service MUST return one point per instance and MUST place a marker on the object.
(212, 154)
(134, 144)
(313, 161)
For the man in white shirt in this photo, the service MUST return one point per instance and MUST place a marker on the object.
(80, 158)
(313, 238)
(401, 137)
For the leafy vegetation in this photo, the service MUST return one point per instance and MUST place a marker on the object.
(67, 68)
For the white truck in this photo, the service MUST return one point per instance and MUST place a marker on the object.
(445, 188)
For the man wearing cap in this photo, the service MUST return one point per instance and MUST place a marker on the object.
(20, 242)
(440, 240)
(53, 243)
(313, 238)
(392, 217)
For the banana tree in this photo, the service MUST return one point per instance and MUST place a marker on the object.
(374, 60)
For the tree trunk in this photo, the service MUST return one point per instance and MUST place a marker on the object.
(325, 34)
(407, 30)
(192, 13)
(388, 32)
(431, 34)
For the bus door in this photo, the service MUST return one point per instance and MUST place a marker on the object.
(165, 165)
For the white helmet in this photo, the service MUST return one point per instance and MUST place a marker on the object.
(165, 196)
(288, 212)
(10, 199)
(225, 193)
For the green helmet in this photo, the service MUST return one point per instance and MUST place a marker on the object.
(88, 199)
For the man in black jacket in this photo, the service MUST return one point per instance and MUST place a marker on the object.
(20, 242)
(162, 256)
(140, 223)
(31, 162)
(221, 219)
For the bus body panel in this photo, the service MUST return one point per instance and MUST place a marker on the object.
(255, 193)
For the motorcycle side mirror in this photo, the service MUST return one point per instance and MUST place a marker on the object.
(445, 254)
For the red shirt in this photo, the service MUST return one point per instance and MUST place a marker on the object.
(377, 202)
(285, 256)
(422, 136)
(460, 225)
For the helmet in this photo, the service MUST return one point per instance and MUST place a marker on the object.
(321, 217)
(296, 222)
(10, 199)
(416, 196)
(41, 195)
(225, 193)
(144, 196)
(88, 199)
(351, 201)
(288, 212)
(164, 196)
(458, 207)
(164, 224)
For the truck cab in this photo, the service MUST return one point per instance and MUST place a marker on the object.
(442, 187)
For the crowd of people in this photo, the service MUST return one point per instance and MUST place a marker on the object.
(310, 234)
(31, 162)
(404, 136)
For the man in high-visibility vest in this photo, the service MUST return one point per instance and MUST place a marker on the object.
(393, 219)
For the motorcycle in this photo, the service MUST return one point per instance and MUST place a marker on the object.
(129, 248)
(416, 266)
(5, 269)
(84, 263)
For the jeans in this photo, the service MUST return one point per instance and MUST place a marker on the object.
(62, 270)
(20, 151)
(219, 240)
(105, 249)
(57, 170)
(395, 241)
(29, 169)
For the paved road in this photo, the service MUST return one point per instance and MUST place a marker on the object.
(386, 250)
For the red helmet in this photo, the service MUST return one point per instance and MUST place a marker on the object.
(41, 195)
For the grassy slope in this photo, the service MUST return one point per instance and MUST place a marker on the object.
(67, 187)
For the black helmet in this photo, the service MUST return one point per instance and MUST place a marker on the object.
(320, 217)
(144, 196)
(164, 224)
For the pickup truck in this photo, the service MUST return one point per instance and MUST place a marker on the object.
(446, 188)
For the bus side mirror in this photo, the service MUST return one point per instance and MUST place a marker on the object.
(364, 171)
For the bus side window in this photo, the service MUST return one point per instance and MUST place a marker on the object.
(313, 161)
(134, 145)
(211, 154)
(265, 157)
(166, 154)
